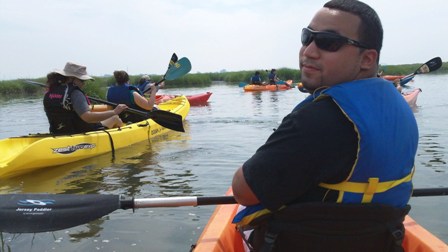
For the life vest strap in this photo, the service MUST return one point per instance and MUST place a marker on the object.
(367, 189)
(371, 189)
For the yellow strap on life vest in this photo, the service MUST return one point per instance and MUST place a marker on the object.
(371, 189)
(367, 189)
(249, 218)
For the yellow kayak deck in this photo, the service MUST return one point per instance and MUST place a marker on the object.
(27, 153)
(220, 235)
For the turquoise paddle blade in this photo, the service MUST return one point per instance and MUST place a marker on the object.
(179, 69)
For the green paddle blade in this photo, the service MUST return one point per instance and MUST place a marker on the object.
(32, 213)
(179, 69)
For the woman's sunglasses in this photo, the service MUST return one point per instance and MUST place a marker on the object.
(327, 41)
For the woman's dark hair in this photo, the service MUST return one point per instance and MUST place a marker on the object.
(54, 79)
(121, 77)
(370, 30)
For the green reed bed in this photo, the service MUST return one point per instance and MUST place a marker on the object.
(97, 88)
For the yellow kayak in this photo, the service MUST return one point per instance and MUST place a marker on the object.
(27, 153)
(220, 235)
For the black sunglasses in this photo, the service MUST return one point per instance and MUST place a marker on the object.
(327, 41)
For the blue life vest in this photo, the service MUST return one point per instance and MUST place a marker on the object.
(272, 76)
(379, 174)
(123, 94)
(256, 79)
(388, 139)
(141, 87)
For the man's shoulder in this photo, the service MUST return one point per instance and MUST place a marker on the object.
(321, 111)
(322, 102)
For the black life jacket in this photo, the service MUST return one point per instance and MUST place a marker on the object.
(61, 116)
(336, 227)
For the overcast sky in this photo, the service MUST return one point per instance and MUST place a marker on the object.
(139, 36)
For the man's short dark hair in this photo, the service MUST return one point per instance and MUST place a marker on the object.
(371, 30)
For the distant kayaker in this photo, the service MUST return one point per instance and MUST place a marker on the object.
(67, 107)
(127, 94)
(336, 175)
(256, 79)
(397, 85)
(273, 78)
(145, 84)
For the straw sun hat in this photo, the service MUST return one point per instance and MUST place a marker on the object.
(74, 70)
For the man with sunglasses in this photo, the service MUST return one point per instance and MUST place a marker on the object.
(337, 173)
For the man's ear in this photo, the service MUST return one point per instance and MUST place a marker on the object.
(369, 59)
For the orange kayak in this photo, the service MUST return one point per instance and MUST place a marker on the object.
(392, 77)
(269, 87)
(252, 87)
(220, 235)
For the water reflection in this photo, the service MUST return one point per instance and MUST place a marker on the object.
(271, 102)
(256, 102)
(432, 153)
(92, 230)
(84, 176)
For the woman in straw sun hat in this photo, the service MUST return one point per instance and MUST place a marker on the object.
(67, 107)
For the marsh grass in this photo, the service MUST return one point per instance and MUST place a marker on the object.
(97, 88)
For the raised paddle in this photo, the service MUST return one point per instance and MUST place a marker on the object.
(176, 70)
(32, 213)
(429, 66)
(172, 60)
(164, 118)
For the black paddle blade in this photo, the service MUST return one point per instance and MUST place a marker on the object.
(167, 119)
(164, 118)
(173, 60)
(32, 213)
(430, 66)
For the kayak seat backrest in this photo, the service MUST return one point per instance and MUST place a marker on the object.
(332, 227)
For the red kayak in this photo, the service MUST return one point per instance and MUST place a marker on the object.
(195, 100)
(199, 99)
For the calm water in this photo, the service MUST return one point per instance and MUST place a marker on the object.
(200, 162)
